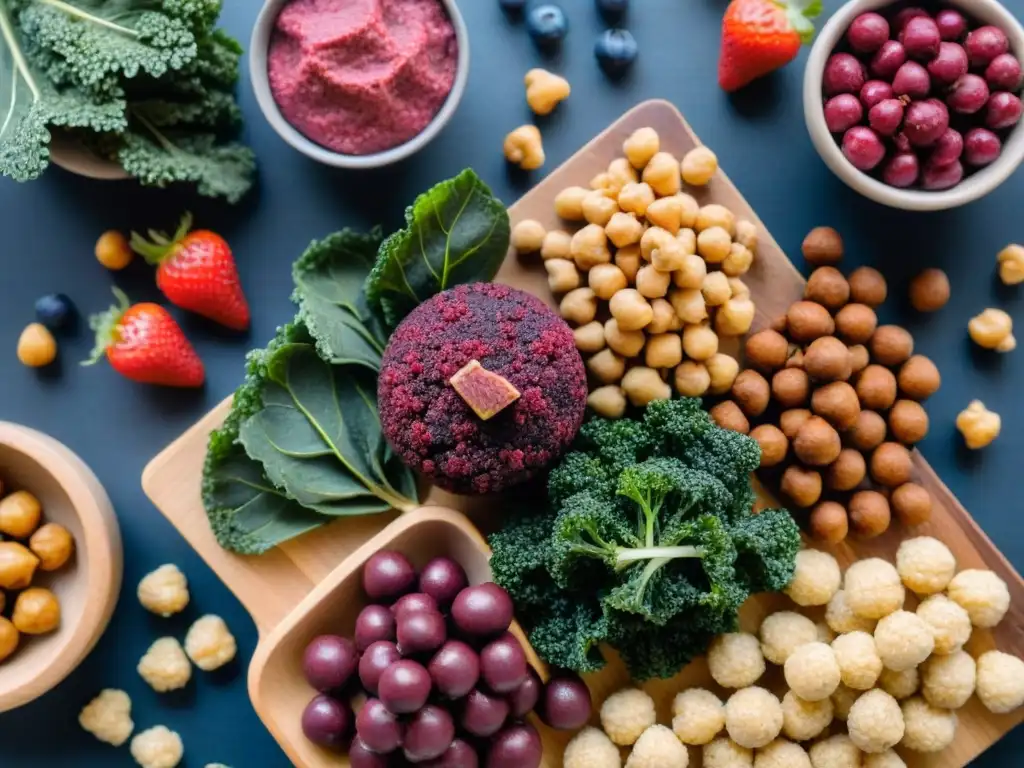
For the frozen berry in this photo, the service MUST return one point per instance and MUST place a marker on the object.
(950, 64)
(968, 95)
(1004, 110)
(904, 17)
(951, 24)
(842, 112)
(615, 50)
(888, 59)
(547, 25)
(948, 148)
(902, 170)
(1003, 73)
(867, 32)
(925, 121)
(942, 176)
(981, 146)
(984, 44)
(912, 80)
(863, 148)
(612, 10)
(843, 74)
(54, 310)
(886, 116)
(875, 91)
(920, 38)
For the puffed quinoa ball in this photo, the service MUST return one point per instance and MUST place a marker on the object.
(927, 728)
(903, 640)
(825, 633)
(753, 717)
(841, 619)
(735, 660)
(835, 752)
(726, 753)
(626, 714)
(982, 594)
(842, 700)
(875, 722)
(157, 747)
(1000, 681)
(900, 685)
(858, 660)
(925, 565)
(783, 632)
(782, 754)
(698, 166)
(816, 580)
(950, 623)
(527, 236)
(165, 666)
(209, 643)
(812, 671)
(697, 716)
(164, 591)
(804, 720)
(641, 146)
(108, 717)
(658, 747)
(887, 759)
(591, 748)
(947, 682)
(873, 588)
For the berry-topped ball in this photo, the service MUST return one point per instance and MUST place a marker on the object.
(481, 388)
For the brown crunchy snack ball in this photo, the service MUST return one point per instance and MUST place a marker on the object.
(790, 387)
(908, 421)
(837, 403)
(869, 513)
(796, 360)
(876, 388)
(912, 504)
(891, 345)
(856, 323)
(891, 465)
(919, 378)
(767, 350)
(729, 416)
(867, 286)
(802, 486)
(929, 291)
(751, 392)
(847, 471)
(52, 544)
(823, 245)
(807, 320)
(817, 443)
(828, 287)
(829, 522)
(859, 358)
(774, 444)
(827, 359)
(867, 432)
(19, 514)
(790, 421)
(36, 611)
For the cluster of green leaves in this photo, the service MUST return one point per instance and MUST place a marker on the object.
(146, 83)
(650, 543)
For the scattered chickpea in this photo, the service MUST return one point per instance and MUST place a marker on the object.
(908, 422)
(589, 338)
(556, 245)
(598, 208)
(528, 236)
(856, 323)
(991, 329)
(735, 317)
(867, 286)
(891, 345)
(625, 343)
(607, 367)
(869, 513)
(692, 272)
(644, 385)
(569, 203)
(641, 146)
(699, 342)
(767, 350)
(876, 388)
(579, 306)
(791, 420)
(562, 275)
(891, 465)
(715, 289)
(113, 251)
(791, 387)
(1011, 265)
(608, 401)
(698, 166)
(867, 432)
(689, 305)
(665, 317)
(664, 350)
(774, 444)
(662, 173)
(652, 283)
(729, 416)
(693, 379)
(919, 378)
(635, 197)
(589, 247)
(715, 215)
(829, 522)
(669, 256)
(545, 90)
(628, 259)
(847, 471)
(667, 213)
(714, 244)
(802, 486)
(807, 320)
(631, 309)
(36, 346)
(929, 291)
(523, 147)
(827, 287)
(912, 504)
(723, 370)
(823, 245)
(746, 234)
(623, 229)
(978, 425)
(739, 260)
(605, 280)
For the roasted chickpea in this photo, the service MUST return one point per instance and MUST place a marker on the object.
(867, 432)
(631, 309)
(623, 229)
(641, 146)
(662, 173)
(606, 280)
(912, 504)
(751, 392)
(669, 256)
(767, 350)
(689, 208)
(628, 260)
(689, 305)
(978, 425)
(847, 471)
(746, 234)
(790, 421)
(869, 513)
(589, 338)
(735, 317)
(562, 275)
(856, 323)
(556, 245)
(823, 245)
(859, 358)
(908, 422)
(728, 415)
(604, 182)
(625, 343)
(929, 291)
(644, 385)
(19, 514)
(828, 287)
(714, 215)
(52, 544)
(919, 378)
(9, 637)
(716, 289)
(738, 262)
(876, 388)
(891, 465)
(598, 208)
(816, 443)
(635, 197)
(992, 329)
(622, 172)
(692, 272)
(802, 486)
(1011, 264)
(17, 565)
(807, 321)
(589, 247)
(36, 611)
(829, 522)
(527, 236)
(692, 379)
(774, 445)
(569, 203)
(579, 306)
(714, 244)
(699, 342)
(836, 403)
(664, 350)
(791, 387)
(723, 370)
(607, 367)
(523, 147)
(891, 345)
(827, 359)
(609, 402)
(666, 213)
(664, 317)
(652, 238)
(698, 166)
(867, 286)
(652, 283)
(545, 90)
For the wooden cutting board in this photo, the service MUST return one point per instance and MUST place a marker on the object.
(271, 585)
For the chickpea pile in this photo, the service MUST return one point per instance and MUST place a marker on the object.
(29, 548)
(648, 277)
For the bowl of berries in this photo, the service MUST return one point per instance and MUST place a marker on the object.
(918, 106)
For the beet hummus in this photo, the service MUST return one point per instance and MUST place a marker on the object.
(361, 76)
(510, 333)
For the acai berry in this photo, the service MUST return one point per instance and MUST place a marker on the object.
(616, 51)
(547, 25)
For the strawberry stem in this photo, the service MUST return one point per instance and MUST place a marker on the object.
(159, 247)
(104, 325)
(800, 13)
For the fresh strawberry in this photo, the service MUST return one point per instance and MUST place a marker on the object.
(145, 344)
(197, 272)
(759, 36)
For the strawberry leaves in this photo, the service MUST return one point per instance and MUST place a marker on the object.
(800, 14)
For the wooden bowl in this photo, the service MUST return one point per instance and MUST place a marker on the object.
(87, 586)
(70, 155)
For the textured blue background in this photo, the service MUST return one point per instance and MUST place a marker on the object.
(50, 227)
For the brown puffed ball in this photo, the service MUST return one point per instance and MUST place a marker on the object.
(836, 403)
(829, 522)
(767, 350)
(891, 345)
(827, 359)
(869, 513)
(796, 360)
(827, 287)
(856, 323)
(847, 471)
(823, 245)
(807, 320)
(867, 432)
(929, 291)
(876, 388)
(867, 286)
(918, 378)
(790, 387)
(908, 421)
(891, 465)
(802, 486)
(774, 444)
(817, 443)
(912, 504)
(859, 358)
(751, 392)
(729, 416)
(790, 421)
(780, 324)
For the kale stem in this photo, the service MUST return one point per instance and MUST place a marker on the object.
(161, 139)
(79, 13)
(656, 553)
(7, 28)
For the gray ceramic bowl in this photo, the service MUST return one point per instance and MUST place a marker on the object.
(971, 188)
(258, 46)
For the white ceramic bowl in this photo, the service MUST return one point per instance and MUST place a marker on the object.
(971, 188)
(260, 42)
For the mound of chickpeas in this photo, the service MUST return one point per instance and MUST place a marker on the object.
(30, 546)
(648, 277)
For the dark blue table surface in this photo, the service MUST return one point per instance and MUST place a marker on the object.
(50, 227)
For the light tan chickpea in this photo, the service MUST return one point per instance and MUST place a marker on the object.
(605, 182)
(738, 262)
(991, 329)
(635, 197)
(688, 210)
(631, 309)
(579, 306)
(652, 238)
(664, 350)
(692, 379)
(569, 203)
(1011, 265)
(652, 282)
(17, 565)
(36, 611)
(688, 239)
(665, 317)
(625, 343)
(723, 370)
(19, 514)
(716, 289)
(545, 90)
(746, 234)
(628, 259)
(641, 146)
(699, 341)
(739, 289)
(556, 245)
(669, 256)
(978, 425)
(9, 637)
(623, 229)
(562, 275)
(523, 147)
(605, 280)
(598, 208)
(589, 247)
(735, 317)
(714, 244)
(644, 385)
(608, 401)
(607, 367)
(665, 212)
(527, 236)
(698, 166)
(715, 215)
(622, 172)
(662, 173)
(52, 544)
(691, 272)
(589, 338)
(689, 305)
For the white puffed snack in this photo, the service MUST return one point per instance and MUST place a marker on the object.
(726, 753)
(858, 660)
(842, 701)
(209, 643)
(875, 722)
(164, 591)
(165, 666)
(925, 565)
(812, 671)
(887, 759)
(816, 579)
(947, 682)
(753, 717)
(735, 660)
(900, 685)
(982, 594)
(626, 714)
(1000, 684)
(927, 728)
(804, 720)
(697, 716)
(950, 623)
(658, 747)
(783, 632)
(591, 748)
(835, 752)
(825, 633)
(782, 754)
(841, 619)
(903, 640)
(108, 717)
(873, 588)
(157, 747)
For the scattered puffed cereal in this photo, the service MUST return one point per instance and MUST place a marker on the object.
(157, 747)
(545, 90)
(978, 425)
(108, 717)
(165, 666)
(164, 591)
(209, 643)
(1011, 264)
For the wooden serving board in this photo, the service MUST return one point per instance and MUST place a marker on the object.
(271, 585)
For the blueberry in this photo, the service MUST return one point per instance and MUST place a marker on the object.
(54, 310)
(612, 9)
(512, 6)
(616, 51)
(547, 24)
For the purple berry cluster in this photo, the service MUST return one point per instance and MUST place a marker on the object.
(921, 100)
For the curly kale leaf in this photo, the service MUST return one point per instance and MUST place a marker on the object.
(210, 110)
(568, 634)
